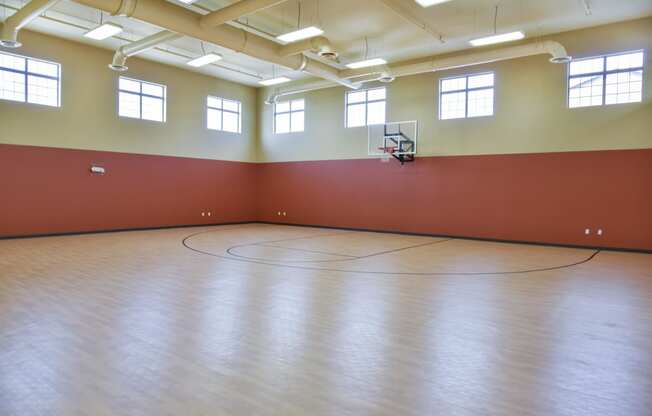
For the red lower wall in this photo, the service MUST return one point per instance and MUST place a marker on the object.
(545, 197)
(51, 190)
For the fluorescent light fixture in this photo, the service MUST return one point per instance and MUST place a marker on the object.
(104, 31)
(209, 58)
(187, 1)
(305, 33)
(505, 37)
(428, 3)
(366, 63)
(274, 81)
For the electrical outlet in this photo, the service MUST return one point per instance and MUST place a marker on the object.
(587, 231)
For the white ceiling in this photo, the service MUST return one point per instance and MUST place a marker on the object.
(347, 23)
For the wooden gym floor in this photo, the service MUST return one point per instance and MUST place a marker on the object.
(276, 320)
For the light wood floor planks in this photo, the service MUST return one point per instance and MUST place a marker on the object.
(273, 320)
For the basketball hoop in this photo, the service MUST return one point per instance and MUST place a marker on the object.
(395, 140)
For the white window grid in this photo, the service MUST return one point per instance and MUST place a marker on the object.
(29, 86)
(366, 103)
(141, 95)
(220, 108)
(599, 87)
(290, 112)
(465, 91)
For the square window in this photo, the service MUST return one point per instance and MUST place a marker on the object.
(141, 99)
(29, 80)
(223, 114)
(289, 116)
(364, 108)
(466, 96)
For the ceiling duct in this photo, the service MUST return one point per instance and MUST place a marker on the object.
(387, 73)
(20, 19)
(186, 22)
(319, 45)
(554, 49)
(119, 62)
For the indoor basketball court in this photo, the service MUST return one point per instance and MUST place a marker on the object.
(309, 207)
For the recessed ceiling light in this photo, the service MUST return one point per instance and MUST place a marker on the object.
(104, 31)
(366, 63)
(505, 37)
(428, 3)
(305, 33)
(209, 58)
(274, 81)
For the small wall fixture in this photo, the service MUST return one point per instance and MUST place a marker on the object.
(98, 170)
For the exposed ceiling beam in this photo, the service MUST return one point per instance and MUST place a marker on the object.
(407, 13)
(235, 11)
(186, 22)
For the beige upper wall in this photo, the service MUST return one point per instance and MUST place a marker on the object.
(531, 113)
(88, 118)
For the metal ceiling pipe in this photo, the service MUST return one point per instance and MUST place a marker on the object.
(235, 11)
(15, 22)
(320, 45)
(554, 49)
(317, 85)
(386, 73)
(326, 72)
(119, 62)
(186, 22)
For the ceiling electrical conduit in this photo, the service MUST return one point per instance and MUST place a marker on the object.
(186, 22)
(11, 26)
(387, 73)
(235, 11)
(317, 85)
(119, 62)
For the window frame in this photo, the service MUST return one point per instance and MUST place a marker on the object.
(466, 91)
(366, 103)
(26, 74)
(290, 112)
(140, 99)
(604, 74)
(222, 110)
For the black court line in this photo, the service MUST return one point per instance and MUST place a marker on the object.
(185, 243)
(303, 249)
(351, 258)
